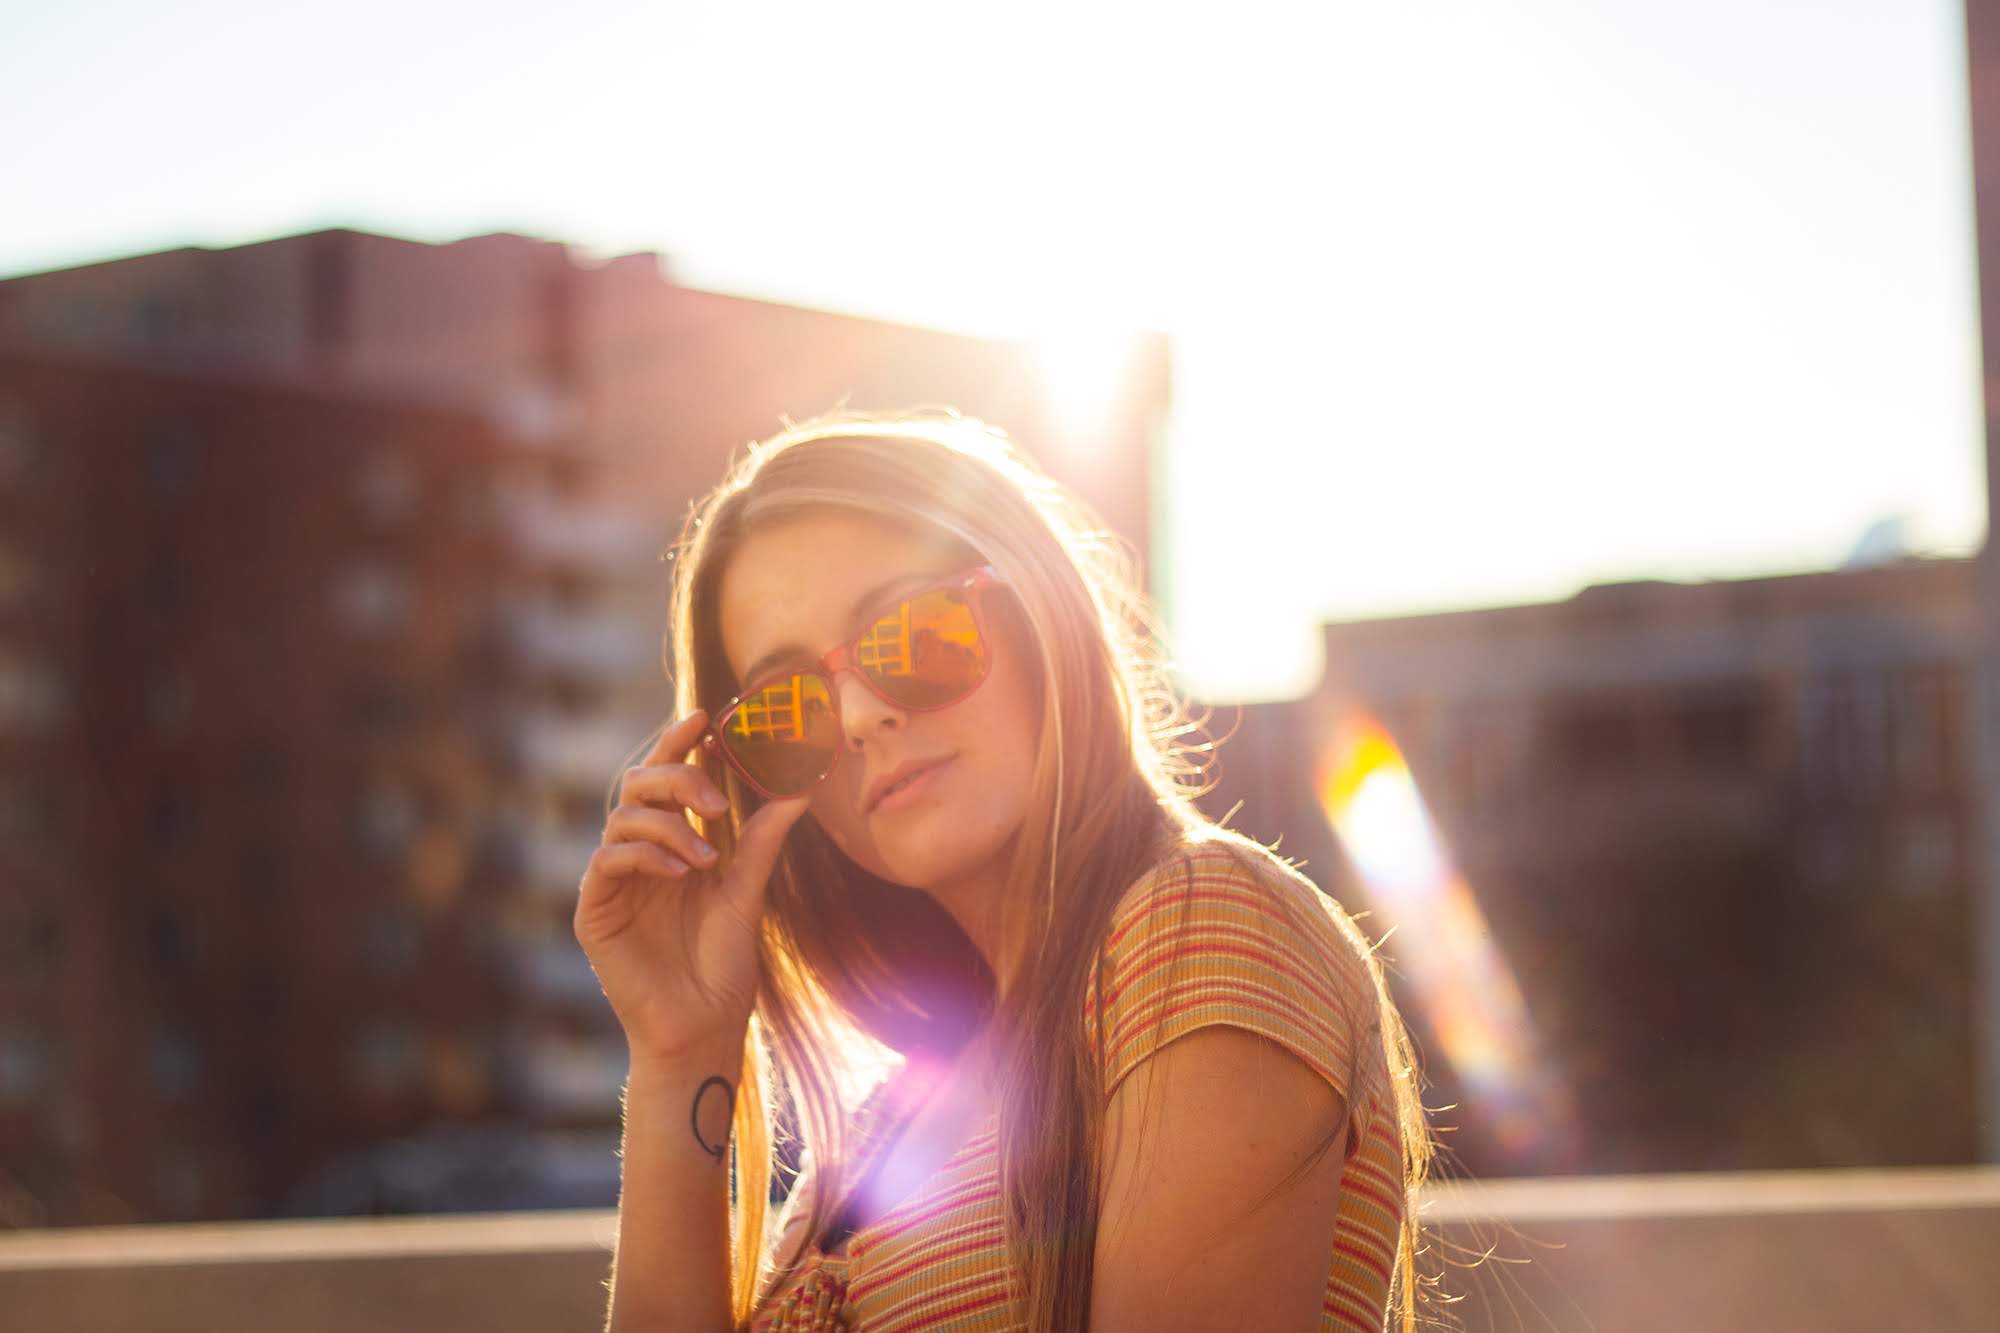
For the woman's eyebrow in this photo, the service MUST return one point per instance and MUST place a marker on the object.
(872, 599)
(762, 666)
(866, 603)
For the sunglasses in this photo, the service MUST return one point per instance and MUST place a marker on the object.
(925, 651)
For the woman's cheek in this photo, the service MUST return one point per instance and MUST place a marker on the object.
(829, 820)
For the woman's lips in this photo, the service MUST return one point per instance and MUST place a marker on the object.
(912, 790)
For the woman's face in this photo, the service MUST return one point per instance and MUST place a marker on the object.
(792, 592)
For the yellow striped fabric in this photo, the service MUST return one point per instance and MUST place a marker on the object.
(1205, 939)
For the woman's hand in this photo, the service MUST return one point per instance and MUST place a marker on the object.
(672, 933)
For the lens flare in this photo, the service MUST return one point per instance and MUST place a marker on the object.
(1442, 945)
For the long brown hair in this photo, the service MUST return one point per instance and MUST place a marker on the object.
(1113, 794)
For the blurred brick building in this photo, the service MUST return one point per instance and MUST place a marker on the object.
(330, 607)
(250, 713)
(1726, 835)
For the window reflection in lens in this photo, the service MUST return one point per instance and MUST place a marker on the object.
(927, 652)
(785, 735)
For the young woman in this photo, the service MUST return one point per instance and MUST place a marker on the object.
(923, 810)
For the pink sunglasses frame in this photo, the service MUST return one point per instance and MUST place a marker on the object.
(840, 658)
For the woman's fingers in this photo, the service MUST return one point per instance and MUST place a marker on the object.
(677, 739)
(661, 778)
(619, 859)
(630, 823)
(672, 786)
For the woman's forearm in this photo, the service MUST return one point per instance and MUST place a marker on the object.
(671, 1268)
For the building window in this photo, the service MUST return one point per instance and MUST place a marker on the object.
(257, 642)
(370, 598)
(265, 1112)
(172, 817)
(459, 1079)
(498, 855)
(20, 447)
(381, 708)
(177, 1181)
(388, 488)
(1867, 755)
(1924, 721)
(169, 942)
(1844, 731)
(21, 582)
(262, 874)
(24, 1067)
(1721, 732)
(263, 767)
(485, 657)
(166, 587)
(27, 811)
(172, 461)
(1929, 857)
(161, 317)
(387, 1059)
(572, 693)
(1832, 858)
(474, 503)
(391, 942)
(435, 869)
(32, 697)
(386, 819)
(42, 941)
(174, 1060)
(571, 588)
(170, 704)
(1591, 739)
(266, 995)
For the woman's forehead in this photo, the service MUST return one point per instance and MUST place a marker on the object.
(802, 583)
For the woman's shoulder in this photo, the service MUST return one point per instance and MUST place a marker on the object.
(1223, 877)
(1223, 931)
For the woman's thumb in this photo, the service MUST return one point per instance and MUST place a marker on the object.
(760, 840)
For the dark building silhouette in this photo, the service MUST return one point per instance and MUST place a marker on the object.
(251, 721)
(1727, 836)
(330, 608)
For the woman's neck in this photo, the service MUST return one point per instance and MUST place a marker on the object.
(978, 904)
(986, 911)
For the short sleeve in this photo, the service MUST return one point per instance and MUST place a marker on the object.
(1215, 937)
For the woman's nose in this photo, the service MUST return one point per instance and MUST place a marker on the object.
(863, 713)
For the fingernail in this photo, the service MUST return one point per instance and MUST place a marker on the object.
(676, 865)
(714, 802)
(703, 850)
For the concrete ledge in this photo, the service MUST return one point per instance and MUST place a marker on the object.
(305, 1241)
(1730, 1194)
(1831, 1250)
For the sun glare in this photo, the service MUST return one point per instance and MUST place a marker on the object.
(1085, 374)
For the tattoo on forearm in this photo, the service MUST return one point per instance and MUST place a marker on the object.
(704, 1110)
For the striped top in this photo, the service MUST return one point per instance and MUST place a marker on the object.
(1201, 940)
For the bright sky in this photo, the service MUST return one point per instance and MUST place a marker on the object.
(1477, 302)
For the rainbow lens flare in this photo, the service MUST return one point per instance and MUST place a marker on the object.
(1441, 944)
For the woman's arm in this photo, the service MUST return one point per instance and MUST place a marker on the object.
(671, 1267)
(1219, 1209)
(671, 930)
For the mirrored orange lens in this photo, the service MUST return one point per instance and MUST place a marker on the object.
(785, 735)
(926, 653)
